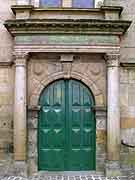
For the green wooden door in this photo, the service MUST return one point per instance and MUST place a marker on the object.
(66, 128)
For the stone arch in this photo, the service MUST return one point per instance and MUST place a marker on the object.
(98, 94)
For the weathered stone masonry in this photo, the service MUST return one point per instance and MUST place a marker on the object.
(90, 46)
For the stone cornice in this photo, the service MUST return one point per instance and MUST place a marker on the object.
(64, 26)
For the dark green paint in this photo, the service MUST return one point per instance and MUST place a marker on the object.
(66, 128)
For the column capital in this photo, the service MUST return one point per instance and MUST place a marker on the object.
(20, 58)
(21, 55)
(112, 59)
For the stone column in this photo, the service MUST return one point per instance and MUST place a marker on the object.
(20, 107)
(113, 114)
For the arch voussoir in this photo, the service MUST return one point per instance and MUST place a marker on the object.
(97, 93)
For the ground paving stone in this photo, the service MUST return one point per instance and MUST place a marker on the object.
(92, 177)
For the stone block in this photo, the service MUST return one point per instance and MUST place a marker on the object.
(32, 136)
(34, 100)
(32, 164)
(124, 75)
(99, 100)
(32, 150)
(127, 136)
(128, 160)
(132, 76)
(18, 168)
(5, 99)
(127, 123)
(32, 122)
(123, 95)
(101, 136)
(113, 169)
(101, 148)
(131, 95)
(6, 135)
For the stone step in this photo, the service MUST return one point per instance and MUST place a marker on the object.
(71, 173)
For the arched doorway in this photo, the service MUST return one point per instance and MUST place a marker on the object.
(66, 127)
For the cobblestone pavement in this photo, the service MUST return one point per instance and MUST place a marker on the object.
(60, 177)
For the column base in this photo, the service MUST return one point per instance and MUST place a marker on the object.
(113, 169)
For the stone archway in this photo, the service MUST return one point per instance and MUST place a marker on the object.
(98, 94)
(88, 74)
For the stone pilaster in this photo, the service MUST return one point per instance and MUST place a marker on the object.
(113, 114)
(20, 107)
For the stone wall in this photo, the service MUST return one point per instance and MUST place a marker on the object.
(127, 100)
(44, 69)
(6, 88)
(127, 85)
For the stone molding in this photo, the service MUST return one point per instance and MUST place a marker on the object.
(127, 64)
(66, 49)
(112, 59)
(6, 64)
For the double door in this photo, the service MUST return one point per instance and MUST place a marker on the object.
(66, 128)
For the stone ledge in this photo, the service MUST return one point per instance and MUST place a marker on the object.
(117, 9)
(6, 64)
(128, 64)
(17, 8)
